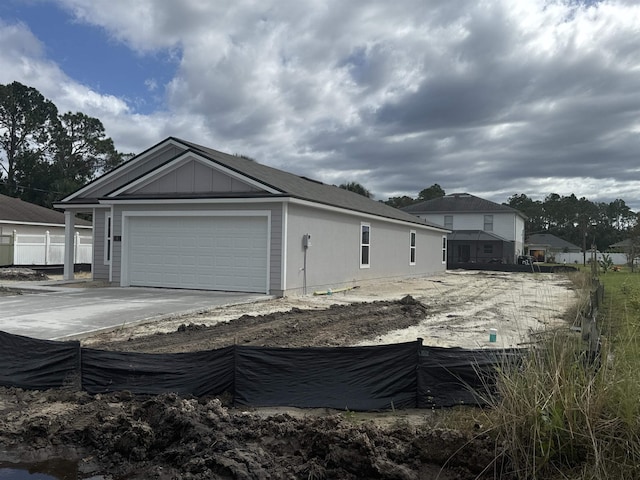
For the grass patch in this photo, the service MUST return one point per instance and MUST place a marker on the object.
(562, 414)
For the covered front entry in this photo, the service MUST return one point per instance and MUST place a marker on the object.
(221, 252)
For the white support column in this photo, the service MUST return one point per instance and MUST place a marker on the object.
(47, 246)
(69, 247)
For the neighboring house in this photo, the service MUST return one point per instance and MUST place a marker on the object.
(482, 231)
(626, 251)
(622, 246)
(185, 216)
(34, 235)
(545, 246)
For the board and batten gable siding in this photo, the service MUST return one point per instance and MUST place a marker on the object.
(142, 166)
(99, 270)
(195, 177)
(275, 209)
(333, 260)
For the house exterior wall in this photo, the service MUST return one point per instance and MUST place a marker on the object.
(519, 235)
(275, 209)
(504, 224)
(333, 259)
(100, 270)
(507, 225)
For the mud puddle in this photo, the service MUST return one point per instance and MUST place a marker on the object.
(54, 469)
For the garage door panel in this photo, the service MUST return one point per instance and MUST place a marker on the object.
(217, 253)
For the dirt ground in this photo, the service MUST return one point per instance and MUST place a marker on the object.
(456, 309)
(120, 436)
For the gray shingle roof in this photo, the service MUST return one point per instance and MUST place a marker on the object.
(303, 188)
(551, 241)
(475, 236)
(458, 203)
(18, 211)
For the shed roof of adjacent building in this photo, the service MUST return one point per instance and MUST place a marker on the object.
(14, 210)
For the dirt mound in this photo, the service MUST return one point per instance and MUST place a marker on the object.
(339, 325)
(168, 436)
(21, 274)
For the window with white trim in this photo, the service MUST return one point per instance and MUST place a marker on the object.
(412, 247)
(365, 245)
(107, 239)
(488, 223)
(444, 249)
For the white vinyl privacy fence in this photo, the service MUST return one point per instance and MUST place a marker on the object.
(577, 258)
(41, 249)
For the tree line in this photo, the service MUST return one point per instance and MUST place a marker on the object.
(576, 220)
(45, 154)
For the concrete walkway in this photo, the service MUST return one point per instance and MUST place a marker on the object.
(52, 311)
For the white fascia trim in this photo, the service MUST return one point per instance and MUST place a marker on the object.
(124, 246)
(355, 213)
(189, 201)
(38, 224)
(79, 207)
(182, 159)
(197, 213)
(124, 167)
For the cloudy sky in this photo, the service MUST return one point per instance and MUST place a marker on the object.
(490, 97)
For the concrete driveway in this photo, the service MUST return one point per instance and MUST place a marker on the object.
(57, 312)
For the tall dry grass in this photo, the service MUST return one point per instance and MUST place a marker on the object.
(561, 413)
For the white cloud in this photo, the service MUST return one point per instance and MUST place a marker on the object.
(496, 96)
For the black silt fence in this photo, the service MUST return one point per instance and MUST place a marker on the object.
(34, 364)
(405, 375)
(353, 378)
(196, 373)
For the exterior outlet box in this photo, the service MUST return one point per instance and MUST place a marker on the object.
(306, 240)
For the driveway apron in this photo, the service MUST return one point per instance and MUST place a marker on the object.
(56, 313)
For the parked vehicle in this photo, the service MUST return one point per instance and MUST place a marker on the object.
(526, 260)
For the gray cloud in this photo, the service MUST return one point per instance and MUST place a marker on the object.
(494, 98)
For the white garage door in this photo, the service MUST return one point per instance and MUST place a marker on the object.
(212, 253)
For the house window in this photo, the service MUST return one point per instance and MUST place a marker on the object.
(488, 248)
(412, 247)
(365, 245)
(488, 223)
(107, 239)
(448, 222)
(444, 249)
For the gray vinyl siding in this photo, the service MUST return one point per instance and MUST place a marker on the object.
(275, 267)
(275, 234)
(116, 252)
(333, 260)
(100, 271)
